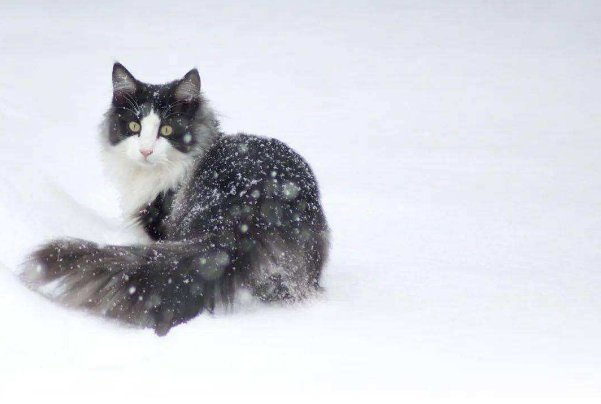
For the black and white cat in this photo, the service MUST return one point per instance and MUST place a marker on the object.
(225, 212)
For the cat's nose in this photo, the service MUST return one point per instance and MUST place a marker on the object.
(145, 152)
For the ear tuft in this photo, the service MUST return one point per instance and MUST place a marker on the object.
(123, 80)
(188, 88)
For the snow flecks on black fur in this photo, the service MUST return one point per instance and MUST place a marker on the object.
(261, 199)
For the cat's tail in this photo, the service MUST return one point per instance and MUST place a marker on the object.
(158, 286)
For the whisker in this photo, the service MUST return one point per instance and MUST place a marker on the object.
(136, 106)
(128, 109)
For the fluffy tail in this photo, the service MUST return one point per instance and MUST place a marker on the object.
(157, 286)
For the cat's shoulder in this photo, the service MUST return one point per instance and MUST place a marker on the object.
(244, 149)
(244, 143)
(251, 157)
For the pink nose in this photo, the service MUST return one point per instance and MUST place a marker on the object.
(145, 153)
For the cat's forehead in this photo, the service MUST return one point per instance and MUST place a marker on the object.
(153, 97)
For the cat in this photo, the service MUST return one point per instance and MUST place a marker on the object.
(222, 213)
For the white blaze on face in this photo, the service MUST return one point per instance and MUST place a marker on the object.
(148, 140)
(150, 131)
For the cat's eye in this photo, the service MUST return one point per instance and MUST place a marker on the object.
(134, 126)
(166, 130)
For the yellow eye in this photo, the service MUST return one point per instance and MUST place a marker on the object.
(166, 130)
(134, 126)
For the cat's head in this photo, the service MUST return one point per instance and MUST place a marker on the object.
(158, 125)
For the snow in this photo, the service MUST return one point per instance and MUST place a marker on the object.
(457, 148)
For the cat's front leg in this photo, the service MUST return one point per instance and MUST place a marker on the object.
(152, 216)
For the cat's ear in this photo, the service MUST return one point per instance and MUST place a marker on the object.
(188, 88)
(123, 80)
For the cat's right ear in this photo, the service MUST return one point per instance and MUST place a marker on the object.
(123, 81)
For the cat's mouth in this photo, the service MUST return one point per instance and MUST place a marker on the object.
(146, 163)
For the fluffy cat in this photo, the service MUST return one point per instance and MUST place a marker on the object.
(225, 212)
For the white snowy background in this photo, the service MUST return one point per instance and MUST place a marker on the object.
(458, 148)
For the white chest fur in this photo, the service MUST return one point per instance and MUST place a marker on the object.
(140, 182)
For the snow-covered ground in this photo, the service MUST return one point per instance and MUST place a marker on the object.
(457, 144)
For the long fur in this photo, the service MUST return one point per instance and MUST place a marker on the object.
(226, 212)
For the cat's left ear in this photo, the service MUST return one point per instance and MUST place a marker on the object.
(188, 88)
